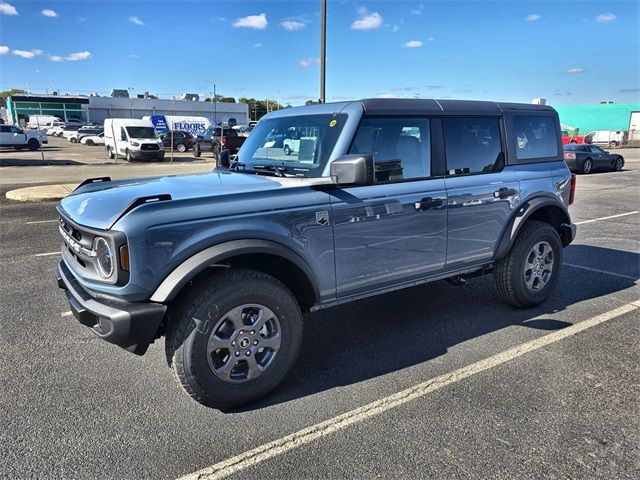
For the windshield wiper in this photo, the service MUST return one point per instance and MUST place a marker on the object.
(278, 170)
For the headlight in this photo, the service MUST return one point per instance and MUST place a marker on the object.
(104, 257)
(135, 144)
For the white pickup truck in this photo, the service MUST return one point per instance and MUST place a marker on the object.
(16, 137)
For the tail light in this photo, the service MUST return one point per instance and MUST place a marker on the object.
(569, 156)
(223, 141)
(572, 188)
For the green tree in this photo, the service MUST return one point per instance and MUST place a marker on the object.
(7, 93)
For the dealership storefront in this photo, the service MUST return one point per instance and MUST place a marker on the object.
(20, 107)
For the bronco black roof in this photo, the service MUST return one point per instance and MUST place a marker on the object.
(410, 106)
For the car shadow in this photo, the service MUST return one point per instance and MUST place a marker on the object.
(27, 162)
(387, 333)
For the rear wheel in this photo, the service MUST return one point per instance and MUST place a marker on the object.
(196, 150)
(181, 147)
(231, 341)
(529, 273)
(110, 154)
(618, 164)
(287, 150)
(73, 140)
(90, 143)
(587, 166)
(33, 144)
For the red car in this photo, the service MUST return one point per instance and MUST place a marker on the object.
(572, 137)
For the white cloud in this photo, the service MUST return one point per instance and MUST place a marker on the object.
(413, 44)
(534, 17)
(77, 56)
(367, 20)
(55, 58)
(259, 22)
(7, 9)
(417, 11)
(430, 39)
(257, 45)
(292, 25)
(49, 13)
(574, 71)
(606, 17)
(307, 62)
(136, 20)
(4, 49)
(134, 55)
(29, 54)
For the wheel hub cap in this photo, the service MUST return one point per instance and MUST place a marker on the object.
(243, 343)
(538, 266)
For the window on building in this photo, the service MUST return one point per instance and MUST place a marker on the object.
(536, 137)
(400, 147)
(473, 145)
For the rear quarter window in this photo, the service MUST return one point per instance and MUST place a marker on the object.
(535, 137)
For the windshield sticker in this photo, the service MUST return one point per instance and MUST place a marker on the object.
(333, 123)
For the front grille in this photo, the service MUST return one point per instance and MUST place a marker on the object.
(149, 146)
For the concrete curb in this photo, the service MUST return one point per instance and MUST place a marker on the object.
(44, 193)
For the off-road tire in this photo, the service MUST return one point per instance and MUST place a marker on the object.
(509, 270)
(587, 166)
(33, 144)
(186, 344)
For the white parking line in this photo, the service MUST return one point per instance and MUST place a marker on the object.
(606, 218)
(606, 272)
(320, 430)
(40, 221)
(47, 254)
(66, 314)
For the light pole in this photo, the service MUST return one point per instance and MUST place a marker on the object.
(323, 49)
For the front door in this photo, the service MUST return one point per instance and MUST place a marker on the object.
(394, 231)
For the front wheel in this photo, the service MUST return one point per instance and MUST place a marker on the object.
(232, 340)
(287, 150)
(127, 156)
(587, 166)
(618, 165)
(529, 273)
(90, 143)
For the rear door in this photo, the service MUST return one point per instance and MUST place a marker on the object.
(394, 231)
(480, 193)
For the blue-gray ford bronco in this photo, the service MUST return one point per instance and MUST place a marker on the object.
(370, 196)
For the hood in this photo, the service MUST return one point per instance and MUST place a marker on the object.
(100, 204)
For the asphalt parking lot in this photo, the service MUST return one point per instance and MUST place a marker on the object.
(431, 382)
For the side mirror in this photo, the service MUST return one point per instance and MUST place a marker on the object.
(225, 158)
(352, 170)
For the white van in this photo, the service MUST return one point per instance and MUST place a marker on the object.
(132, 139)
(42, 121)
(194, 125)
(612, 138)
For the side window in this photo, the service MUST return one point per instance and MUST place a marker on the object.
(123, 134)
(536, 137)
(473, 145)
(400, 147)
(4, 129)
(15, 130)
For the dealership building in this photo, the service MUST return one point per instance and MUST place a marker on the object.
(96, 109)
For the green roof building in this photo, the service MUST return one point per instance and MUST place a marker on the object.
(598, 116)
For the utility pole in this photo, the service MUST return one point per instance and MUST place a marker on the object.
(323, 50)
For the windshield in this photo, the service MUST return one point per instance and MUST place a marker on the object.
(141, 132)
(300, 144)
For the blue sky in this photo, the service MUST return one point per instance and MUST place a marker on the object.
(565, 51)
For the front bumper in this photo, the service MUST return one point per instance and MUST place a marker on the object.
(147, 154)
(132, 326)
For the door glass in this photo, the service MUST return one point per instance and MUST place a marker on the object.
(536, 137)
(473, 145)
(400, 147)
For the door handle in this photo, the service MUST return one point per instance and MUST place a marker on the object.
(504, 192)
(427, 203)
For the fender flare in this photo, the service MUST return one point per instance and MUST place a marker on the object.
(518, 218)
(216, 255)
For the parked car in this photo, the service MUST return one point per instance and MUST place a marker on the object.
(42, 121)
(84, 131)
(93, 139)
(587, 158)
(606, 137)
(211, 141)
(56, 129)
(570, 135)
(16, 137)
(132, 139)
(182, 141)
(398, 192)
(70, 131)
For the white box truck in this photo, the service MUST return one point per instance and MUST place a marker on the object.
(132, 139)
(612, 138)
(194, 125)
(42, 121)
